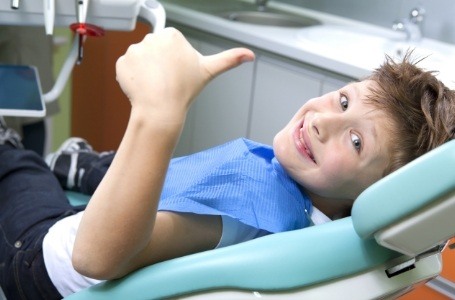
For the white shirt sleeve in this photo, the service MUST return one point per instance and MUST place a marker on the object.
(57, 252)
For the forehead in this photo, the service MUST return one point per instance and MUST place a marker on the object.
(375, 123)
(360, 95)
(361, 90)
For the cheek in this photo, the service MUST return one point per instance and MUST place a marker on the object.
(283, 141)
(336, 164)
(337, 176)
(344, 178)
(284, 151)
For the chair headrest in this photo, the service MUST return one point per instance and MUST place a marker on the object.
(405, 191)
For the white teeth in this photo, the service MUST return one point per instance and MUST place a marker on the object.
(303, 143)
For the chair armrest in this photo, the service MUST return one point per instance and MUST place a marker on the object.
(276, 262)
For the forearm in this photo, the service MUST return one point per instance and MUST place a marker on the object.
(119, 219)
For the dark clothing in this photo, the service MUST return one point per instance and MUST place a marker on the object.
(95, 168)
(34, 135)
(31, 201)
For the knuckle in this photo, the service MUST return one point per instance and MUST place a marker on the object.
(174, 33)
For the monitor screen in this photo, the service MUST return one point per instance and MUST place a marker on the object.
(20, 91)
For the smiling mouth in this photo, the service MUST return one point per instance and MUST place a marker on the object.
(303, 144)
(309, 153)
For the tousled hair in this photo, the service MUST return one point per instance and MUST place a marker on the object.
(421, 109)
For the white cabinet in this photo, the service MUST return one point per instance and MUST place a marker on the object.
(220, 113)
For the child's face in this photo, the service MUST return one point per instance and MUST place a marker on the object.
(336, 145)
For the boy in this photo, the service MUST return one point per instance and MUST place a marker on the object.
(331, 150)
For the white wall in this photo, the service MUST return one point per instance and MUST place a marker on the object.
(440, 14)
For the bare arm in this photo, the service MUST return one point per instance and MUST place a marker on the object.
(121, 230)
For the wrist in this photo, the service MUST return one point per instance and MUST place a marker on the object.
(163, 121)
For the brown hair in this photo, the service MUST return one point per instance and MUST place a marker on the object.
(420, 106)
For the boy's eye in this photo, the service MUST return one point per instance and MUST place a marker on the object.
(356, 142)
(344, 102)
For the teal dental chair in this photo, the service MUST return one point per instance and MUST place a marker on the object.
(392, 241)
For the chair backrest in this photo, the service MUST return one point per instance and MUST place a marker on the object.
(411, 210)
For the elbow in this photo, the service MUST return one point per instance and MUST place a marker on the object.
(89, 265)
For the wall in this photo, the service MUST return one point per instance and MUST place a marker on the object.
(100, 110)
(61, 122)
(439, 23)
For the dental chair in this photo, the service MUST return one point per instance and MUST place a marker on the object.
(392, 242)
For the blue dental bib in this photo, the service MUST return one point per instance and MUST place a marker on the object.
(241, 179)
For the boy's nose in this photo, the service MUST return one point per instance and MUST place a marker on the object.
(324, 125)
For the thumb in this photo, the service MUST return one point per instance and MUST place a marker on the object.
(226, 60)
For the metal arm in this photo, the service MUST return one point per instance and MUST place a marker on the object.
(111, 15)
(150, 11)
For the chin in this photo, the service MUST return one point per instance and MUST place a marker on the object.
(279, 144)
(283, 156)
(276, 141)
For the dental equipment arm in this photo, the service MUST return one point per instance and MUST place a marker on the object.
(64, 73)
(49, 16)
(153, 12)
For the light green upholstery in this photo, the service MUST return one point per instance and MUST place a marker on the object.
(77, 199)
(299, 258)
(276, 262)
(405, 191)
